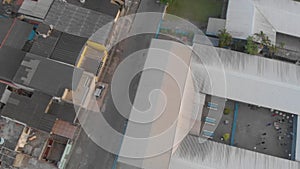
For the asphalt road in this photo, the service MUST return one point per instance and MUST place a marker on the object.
(86, 154)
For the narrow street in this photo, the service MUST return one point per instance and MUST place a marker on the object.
(85, 153)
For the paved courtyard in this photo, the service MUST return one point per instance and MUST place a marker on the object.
(225, 125)
(256, 130)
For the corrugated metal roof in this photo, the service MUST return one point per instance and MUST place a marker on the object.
(262, 24)
(251, 79)
(191, 154)
(240, 17)
(68, 48)
(58, 46)
(37, 9)
(159, 135)
(75, 20)
(283, 15)
(64, 129)
(246, 17)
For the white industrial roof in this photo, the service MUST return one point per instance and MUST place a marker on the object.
(214, 25)
(283, 15)
(246, 17)
(250, 79)
(240, 18)
(179, 112)
(191, 154)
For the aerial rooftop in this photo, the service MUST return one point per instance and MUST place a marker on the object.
(12, 29)
(246, 17)
(47, 75)
(10, 61)
(75, 20)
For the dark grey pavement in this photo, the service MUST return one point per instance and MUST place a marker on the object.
(86, 154)
(256, 131)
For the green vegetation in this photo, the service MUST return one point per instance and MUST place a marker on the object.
(226, 136)
(251, 46)
(258, 43)
(227, 111)
(196, 10)
(265, 43)
(263, 39)
(224, 38)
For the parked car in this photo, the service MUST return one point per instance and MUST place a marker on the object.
(99, 90)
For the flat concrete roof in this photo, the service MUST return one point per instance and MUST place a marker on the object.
(10, 61)
(63, 110)
(14, 33)
(2, 89)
